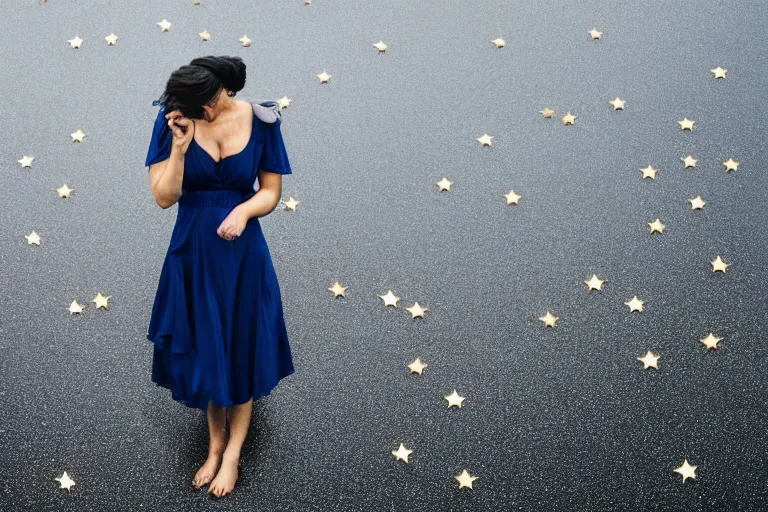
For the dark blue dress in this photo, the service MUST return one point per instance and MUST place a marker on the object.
(217, 321)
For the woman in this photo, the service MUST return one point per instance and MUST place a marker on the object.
(217, 321)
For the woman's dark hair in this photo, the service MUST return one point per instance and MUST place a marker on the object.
(200, 82)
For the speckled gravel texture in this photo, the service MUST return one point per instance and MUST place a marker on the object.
(555, 419)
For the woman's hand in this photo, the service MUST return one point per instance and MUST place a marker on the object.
(180, 138)
(233, 225)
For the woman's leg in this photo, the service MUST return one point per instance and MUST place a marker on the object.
(238, 428)
(217, 422)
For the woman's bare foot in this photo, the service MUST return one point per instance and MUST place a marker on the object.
(226, 477)
(207, 471)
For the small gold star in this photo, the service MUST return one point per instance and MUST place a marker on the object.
(595, 34)
(499, 42)
(454, 399)
(205, 35)
(730, 165)
(444, 184)
(291, 203)
(689, 161)
(649, 360)
(75, 307)
(390, 299)
(417, 366)
(402, 453)
(164, 25)
(283, 102)
(617, 103)
(465, 479)
(77, 136)
(719, 72)
(710, 341)
(485, 140)
(547, 112)
(512, 197)
(686, 470)
(111, 39)
(245, 41)
(549, 319)
(381, 46)
(656, 226)
(76, 42)
(64, 190)
(32, 238)
(697, 203)
(416, 310)
(65, 481)
(324, 77)
(195, 2)
(594, 283)
(649, 172)
(635, 304)
(337, 289)
(101, 301)
(26, 161)
(719, 265)
(686, 124)
(569, 118)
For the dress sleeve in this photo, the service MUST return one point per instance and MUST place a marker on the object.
(274, 157)
(160, 143)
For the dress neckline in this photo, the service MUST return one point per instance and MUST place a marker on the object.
(247, 145)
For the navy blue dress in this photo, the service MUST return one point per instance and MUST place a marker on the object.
(217, 320)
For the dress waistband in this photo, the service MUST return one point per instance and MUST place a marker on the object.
(225, 198)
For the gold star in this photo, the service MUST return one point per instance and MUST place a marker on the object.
(26, 161)
(454, 399)
(381, 46)
(549, 319)
(499, 42)
(618, 104)
(649, 360)
(245, 41)
(465, 479)
(283, 102)
(32, 238)
(337, 289)
(710, 341)
(697, 203)
(77, 136)
(417, 366)
(402, 453)
(195, 2)
(595, 34)
(65, 481)
(568, 118)
(101, 301)
(76, 42)
(75, 307)
(291, 203)
(686, 124)
(324, 77)
(390, 299)
(205, 35)
(635, 304)
(485, 140)
(512, 197)
(416, 310)
(719, 265)
(111, 39)
(687, 470)
(719, 72)
(730, 165)
(656, 226)
(594, 283)
(547, 112)
(689, 161)
(649, 172)
(64, 190)
(444, 184)
(164, 25)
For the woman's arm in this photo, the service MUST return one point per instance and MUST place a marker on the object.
(165, 178)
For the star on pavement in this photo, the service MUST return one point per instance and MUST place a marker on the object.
(164, 25)
(512, 197)
(284, 102)
(205, 35)
(689, 161)
(710, 341)
(337, 289)
(719, 72)
(64, 190)
(111, 39)
(549, 319)
(649, 172)
(101, 301)
(416, 310)
(569, 118)
(454, 399)
(547, 112)
(485, 140)
(291, 203)
(417, 366)
(77, 136)
(618, 104)
(686, 124)
(65, 481)
(402, 453)
(499, 42)
(75, 307)
(444, 184)
(730, 165)
(656, 226)
(324, 77)
(719, 265)
(245, 41)
(390, 299)
(26, 161)
(595, 34)
(381, 46)
(594, 283)
(635, 304)
(76, 42)
(465, 479)
(649, 359)
(686, 470)
(697, 203)
(32, 238)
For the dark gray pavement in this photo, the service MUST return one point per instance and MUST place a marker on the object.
(554, 419)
